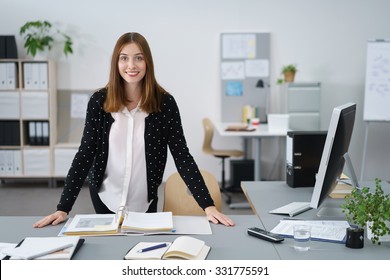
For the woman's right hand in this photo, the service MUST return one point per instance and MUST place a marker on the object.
(54, 219)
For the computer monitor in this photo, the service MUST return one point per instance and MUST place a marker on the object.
(331, 164)
(336, 146)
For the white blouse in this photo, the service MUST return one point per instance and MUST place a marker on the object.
(125, 182)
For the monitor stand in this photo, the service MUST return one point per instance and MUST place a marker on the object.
(331, 212)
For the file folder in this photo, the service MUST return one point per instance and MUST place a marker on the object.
(9, 162)
(3, 50)
(27, 73)
(10, 75)
(39, 133)
(43, 75)
(45, 133)
(3, 75)
(35, 76)
(17, 162)
(8, 47)
(32, 134)
(2, 162)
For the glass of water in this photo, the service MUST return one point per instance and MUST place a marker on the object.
(302, 235)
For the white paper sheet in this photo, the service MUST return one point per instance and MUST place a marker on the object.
(320, 229)
(236, 46)
(79, 103)
(257, 68)
(233, 70)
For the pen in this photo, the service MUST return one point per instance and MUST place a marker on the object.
(158, 246)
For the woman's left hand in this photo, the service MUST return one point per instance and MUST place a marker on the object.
(216, 217)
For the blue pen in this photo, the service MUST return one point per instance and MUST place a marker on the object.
(158, 246)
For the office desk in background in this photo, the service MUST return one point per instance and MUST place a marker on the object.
(265, 196)
(227, 243)
(262, 131)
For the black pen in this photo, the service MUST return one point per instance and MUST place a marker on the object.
(158, 246)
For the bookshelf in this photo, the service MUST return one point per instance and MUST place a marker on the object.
(28, 118)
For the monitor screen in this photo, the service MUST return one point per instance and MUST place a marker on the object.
(336, 146)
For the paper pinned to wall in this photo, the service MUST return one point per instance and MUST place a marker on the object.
(233, 70)
(234, 88)
(79, 103)
(257, 68)
(238, 46)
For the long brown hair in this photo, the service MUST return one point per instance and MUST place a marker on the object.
(151, 93)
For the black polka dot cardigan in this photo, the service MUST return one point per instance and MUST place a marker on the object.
(162, 130)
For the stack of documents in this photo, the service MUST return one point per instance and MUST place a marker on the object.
(330, 231)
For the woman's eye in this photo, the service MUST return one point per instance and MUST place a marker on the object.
(139, 58)
(123, 58)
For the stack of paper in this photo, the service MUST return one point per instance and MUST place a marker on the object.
(331, 231)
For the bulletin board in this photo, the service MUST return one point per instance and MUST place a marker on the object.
(245, 59)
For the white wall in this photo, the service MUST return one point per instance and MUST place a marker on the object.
(326, 39)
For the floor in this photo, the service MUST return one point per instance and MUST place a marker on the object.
(26, 198)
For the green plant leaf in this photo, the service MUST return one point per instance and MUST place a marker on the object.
(39, 35)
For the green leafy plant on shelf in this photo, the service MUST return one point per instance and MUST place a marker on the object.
(40, 36)
(363, 208)
(288, 72)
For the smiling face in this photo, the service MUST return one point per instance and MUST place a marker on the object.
(131, 64)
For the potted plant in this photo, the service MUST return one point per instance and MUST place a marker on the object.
(40, 36)
(288, 72)
(364, 208)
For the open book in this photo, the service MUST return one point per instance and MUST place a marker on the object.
(184, 247)
(45, 248)
(110, 224)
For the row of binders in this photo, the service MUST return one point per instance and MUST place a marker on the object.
(38, 133)
(10, 162)
(8, 75)
(35, 75)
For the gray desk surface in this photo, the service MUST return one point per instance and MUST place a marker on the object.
(228, 243)
(265, 196)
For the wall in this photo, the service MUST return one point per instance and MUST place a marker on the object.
(326, 39)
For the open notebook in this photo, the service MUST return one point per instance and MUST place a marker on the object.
(183, 247)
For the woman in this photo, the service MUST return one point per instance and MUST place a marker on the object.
(129, 126)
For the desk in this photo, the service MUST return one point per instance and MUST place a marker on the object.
(262, 131)
(265, 196)
(227, 243)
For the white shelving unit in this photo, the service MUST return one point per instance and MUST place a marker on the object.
(28, 118)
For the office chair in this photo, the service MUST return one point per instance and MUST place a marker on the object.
(179, 200)
(222, 154)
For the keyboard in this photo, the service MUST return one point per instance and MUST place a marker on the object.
(292, 209)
